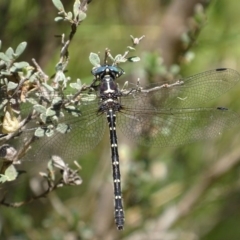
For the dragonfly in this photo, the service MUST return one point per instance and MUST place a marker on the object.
(159, 115)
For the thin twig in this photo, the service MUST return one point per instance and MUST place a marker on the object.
(40, 71)
(31, 199)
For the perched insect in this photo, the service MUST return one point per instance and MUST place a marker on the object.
(160, 115)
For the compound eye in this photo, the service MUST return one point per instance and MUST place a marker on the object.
(98, 71)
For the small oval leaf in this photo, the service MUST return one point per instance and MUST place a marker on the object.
(77, 85)
(69, 15)
(63, 128)
(11, 86)
(11, 173)
(9, 52)
(58, 4)
(43, 117)
(119, 58)
(21, 65)
(131, 48)
(20, 48)
(39, 132)
(50, 112)
(4, 57)
(57, 19)
(94, 59)
(56, 100)
(3, 178)
(133, 59)
(82, 15)
(32, 101)
(76, 7)
(40, 108)
(48, 87)
(13, 69)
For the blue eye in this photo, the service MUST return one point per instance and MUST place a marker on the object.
(102, 71)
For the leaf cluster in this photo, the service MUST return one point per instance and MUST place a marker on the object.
(29, 94)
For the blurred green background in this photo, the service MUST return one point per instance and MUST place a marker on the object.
(185, 193)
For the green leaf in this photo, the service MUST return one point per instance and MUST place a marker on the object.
(131, 48)
(57, 19)
(43, 117)
(119, 58)
(9, 52)
(20, 49)
(28, 71)
(50, 112)
(82, 15)
(122, 60)
(21, 65)
(56, 100)
(4, 57)
(3, 178)
(62, 128)
(10, 174)
(33, 77)
(77, 85)
(94, 59)
(32, 101)
(58, 4)
(133, 59)
(49, 132)
(69, 15)
(61, 77)
(39, 132)
(48, 87)
(13, 69)
(54, 119)
(40, 108)
(76, 6)
(11, 86)
(6, 73)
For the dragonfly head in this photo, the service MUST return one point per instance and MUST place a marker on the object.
(107, 70)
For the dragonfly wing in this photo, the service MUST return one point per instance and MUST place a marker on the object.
(190, 92)
(70, 138)
(172, 127)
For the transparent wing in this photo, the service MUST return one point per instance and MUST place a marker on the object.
(171, 127)
(193, 92)
(163, 116)
(83, 133)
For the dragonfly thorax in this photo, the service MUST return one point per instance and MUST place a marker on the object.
(108, 86)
